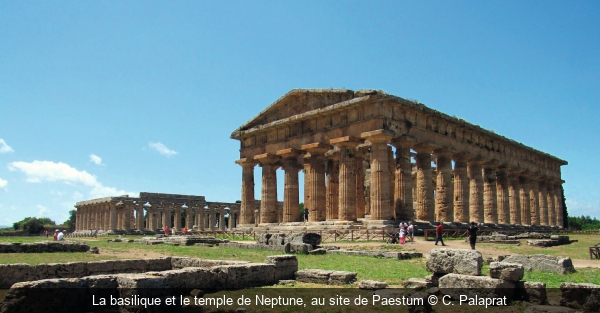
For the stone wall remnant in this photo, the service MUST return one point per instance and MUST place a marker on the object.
(541, 262)
(456, 261)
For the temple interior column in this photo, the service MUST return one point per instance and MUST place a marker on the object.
(332, 200)
(534, 205)
(525, 202)
(291, 188)
(514, 198)
(213, 216)
(113, 216)
(360, 183)
(558, 204)
(177, 217)
(140, 217)
(543, 211)
(315, 178)
(475, 173)
(347, 178)
(268, 199)
(403, 203)
(247, 207)
(380, 175)
(126, 216)
(550, 203)
(490, 198)
(222, 218)
(461, 189)
(189, 221)
(444, 208)
(503, 196)
(201, 216)
(392, 169)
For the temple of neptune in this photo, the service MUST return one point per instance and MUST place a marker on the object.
(356, 150)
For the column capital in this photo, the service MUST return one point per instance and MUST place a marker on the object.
(316, 148)
(425, 147)
(476, 160)
(443, 153)
(288, 153)
(492, 164)
(266, 158)
(378, 136)
(345, 142)
(246, 162)
(404, 141)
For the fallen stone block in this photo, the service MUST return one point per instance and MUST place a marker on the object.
(417, 283)
(532, 292)
(372, 285)
(541, 262)
(248, 275)
(457, 261)
(582, 296)
(286, 266)
(325, 277)
(507, 271)
(456, 285)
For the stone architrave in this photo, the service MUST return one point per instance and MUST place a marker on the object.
(360, 183)
(534, 205)
(268, 200)
(380, 178)
(476, 190)
(542, 202)
(315, 183)
(332, 200)
(525, 202)
(424, 188)
(503, 196)
(347, 183)
(247, 207)
(514, 199)
(444, 206)
(403, 203)
(461, 189)
(490, 199)
(291, 189)
(550, 203)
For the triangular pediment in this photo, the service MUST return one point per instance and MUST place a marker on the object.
(295, 102)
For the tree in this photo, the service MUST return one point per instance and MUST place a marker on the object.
(70, 223)
(43, 221)
(33, 226)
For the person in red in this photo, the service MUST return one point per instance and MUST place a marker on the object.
(55, 234)
(439, 231)
(185, 231)
(166, 230)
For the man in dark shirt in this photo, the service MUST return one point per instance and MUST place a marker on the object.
(473, 235)
(305, 215)
(438, 234)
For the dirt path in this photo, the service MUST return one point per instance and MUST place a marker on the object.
(487, 251)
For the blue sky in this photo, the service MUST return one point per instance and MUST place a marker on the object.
(110, 97)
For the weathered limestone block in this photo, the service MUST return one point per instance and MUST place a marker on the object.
(507, 271)
(372, 284)
(325, 277)
(457, 261)
(582, 296)
(248, 275)
(43, 247)
(183, 262)
(286, 266)
(434, 279)
(312, 239)
(158, 264)
(532, 292)
(417, 283)
(541, 262)
(455, 285)
(39, 295)
(192, 278)
(301, 248)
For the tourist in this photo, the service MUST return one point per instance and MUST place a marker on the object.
(61, 235)
(305, 215)
(166, 230)
(402, 234)
(55, 234)
(185, 231)
(96, 233)
(47, 233)
(411, 232)
(439, 231)
(473, 235)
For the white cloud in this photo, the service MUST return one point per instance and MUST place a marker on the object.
(96, 159)
(5, 148)
(39, 171)
(42, 210)
(3, 183)
(162, 149)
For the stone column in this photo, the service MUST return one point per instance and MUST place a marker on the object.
(291, 189)
(127, 216)
(140, 216)
(525, 202)
(558, 204)
(347, 176)
(490, 204)
(550, 203)
(360, 183)
(189, 221)
(222, 218)
(268, 199)
(113, 216)
(476, 190)
(534, 206)
(213, 216)
(403, 202)
(503, 196)
(380, 178)
(247, 207)
(177, 218)
(461, 189)
(424, 187)
(392, 167)
(542, 202)
(444, 206)
(315, 181)
(514, 199)
(332, 199)
(200, 213)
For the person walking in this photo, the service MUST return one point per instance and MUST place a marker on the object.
(305, 215)
(411, 232)
(473, 235)
(439, 231)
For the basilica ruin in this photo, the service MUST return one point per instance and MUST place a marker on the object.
(355, 150)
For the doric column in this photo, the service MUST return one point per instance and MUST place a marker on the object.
(392, 167)
(558, 204)
(534, 206)
(503, 196)
(380, 174)
(140, 216)
(126, 216)
(201, 214)
(403, 199)
(514, 198)
(113, 216)
(444, 206)
(424, 187)
(525, 203)
(155, 218)
(268, 199)
(222, 218)
(543, 211)
(291, 189)
(332, 196)
(189, 221)
(490, 213)
(476, 190)
(247, 207)
(461, 189)
(550, 203)
(213, 216)
(347, 177)
(315, 181)
(177, 217)
(166, 219)
(360, 183)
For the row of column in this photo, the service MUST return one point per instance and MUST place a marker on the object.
(475, 191)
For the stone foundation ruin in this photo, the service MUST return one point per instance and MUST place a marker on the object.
(44, 246)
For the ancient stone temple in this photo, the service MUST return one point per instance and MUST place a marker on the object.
(356, 152)
(152, 211)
